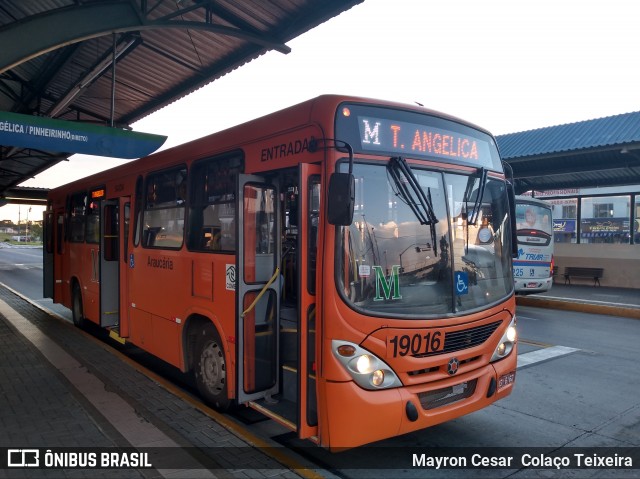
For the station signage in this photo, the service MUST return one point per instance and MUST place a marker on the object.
(564, 226)
(610, 225)
(46, 134)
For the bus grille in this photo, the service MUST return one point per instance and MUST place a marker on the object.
(464, 339)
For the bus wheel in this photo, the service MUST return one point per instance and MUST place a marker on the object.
(211, 369)
(76, 307)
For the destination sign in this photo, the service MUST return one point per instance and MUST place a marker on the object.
(411, 139)
(97, 194)
(27, 131)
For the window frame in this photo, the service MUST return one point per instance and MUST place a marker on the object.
(163, 206)
(77, 222)
(231, 164)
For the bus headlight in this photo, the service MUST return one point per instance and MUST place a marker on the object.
(367, 370)
(363, 364)
(377, 378)
(511, 333)
(505, 346)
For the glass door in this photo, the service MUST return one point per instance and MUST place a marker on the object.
(258, 289)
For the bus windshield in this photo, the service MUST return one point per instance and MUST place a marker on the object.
(533, 217)
(395, 264)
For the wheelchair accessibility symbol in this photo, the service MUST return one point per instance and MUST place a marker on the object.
(462, 283)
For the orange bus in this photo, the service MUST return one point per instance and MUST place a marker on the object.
(343, 266)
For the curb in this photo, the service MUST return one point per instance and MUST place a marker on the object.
(580, 306)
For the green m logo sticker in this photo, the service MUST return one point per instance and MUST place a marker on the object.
(387, 287)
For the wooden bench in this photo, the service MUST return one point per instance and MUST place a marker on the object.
(578, 272)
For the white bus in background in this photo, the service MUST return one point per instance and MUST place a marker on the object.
(533, 269)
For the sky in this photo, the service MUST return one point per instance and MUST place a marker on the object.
(506, 65)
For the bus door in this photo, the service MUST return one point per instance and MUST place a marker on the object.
(60, 294)
(109, 263)
(308, 223)
(258, 289)
(48, 252)
(53, 251)
(124, 220)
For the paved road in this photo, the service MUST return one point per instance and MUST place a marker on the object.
(577, 386)
(21, 270)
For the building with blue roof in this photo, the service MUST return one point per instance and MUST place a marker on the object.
(590, 172)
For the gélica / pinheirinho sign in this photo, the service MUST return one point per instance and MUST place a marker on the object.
(46, 134)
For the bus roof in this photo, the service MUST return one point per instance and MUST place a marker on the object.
(319, 110)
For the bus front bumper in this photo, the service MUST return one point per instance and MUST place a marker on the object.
(530, 286)
(358, 416)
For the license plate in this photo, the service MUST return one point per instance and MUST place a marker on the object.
(459, 388)
(506, 379)
(532, 285)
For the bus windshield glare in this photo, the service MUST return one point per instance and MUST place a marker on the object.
(532, 217)
(390, 263)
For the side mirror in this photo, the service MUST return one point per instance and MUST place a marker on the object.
(342, 197)
(512, 215)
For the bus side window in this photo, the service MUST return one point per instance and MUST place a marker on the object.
(48, 231)
(77, 210)
(60, 235)
(127, 213)
(212, 204)
(92, 223)
(163, 216)
(210, 228)
(312, 235)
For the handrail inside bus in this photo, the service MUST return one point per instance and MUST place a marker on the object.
(264, 288)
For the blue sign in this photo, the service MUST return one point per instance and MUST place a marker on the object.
(26, 131)
(132, 262)
(564, 226)
(461, 279)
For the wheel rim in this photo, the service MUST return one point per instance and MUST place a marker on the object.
(213, 369)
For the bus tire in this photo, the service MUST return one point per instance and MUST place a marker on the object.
(77, 311)
(211, 369)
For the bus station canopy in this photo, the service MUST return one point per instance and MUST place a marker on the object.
(57, 59)
(592, 153)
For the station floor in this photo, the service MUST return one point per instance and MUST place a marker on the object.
(63, 388)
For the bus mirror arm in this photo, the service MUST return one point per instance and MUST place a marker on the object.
(342, 189)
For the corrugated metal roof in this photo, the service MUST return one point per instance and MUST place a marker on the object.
(592, 153)
(605, 132)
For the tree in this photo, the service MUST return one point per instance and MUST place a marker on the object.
(35, 230)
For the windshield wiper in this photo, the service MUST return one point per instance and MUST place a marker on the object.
(411, 193)
(472, 218)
